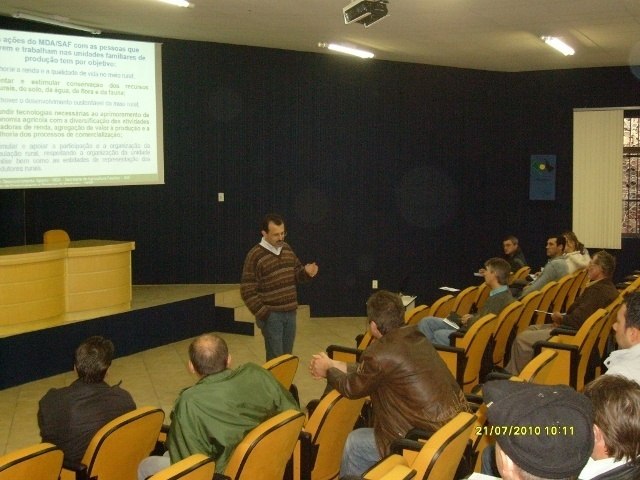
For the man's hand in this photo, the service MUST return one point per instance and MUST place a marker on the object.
(556, 318)
(319, 365)
(311, 269)
(465, 318)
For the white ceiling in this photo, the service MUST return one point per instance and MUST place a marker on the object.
(499, 35)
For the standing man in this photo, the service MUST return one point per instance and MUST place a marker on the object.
(409, 384)
(513, 253)
(70, 416)
(268, 287)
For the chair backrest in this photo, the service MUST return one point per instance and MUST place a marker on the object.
(264, 452)
(506, 323)
(414, 315)
(540, 368)
(42, 461)
(116, 449)
(564, 284)
(483, 293)
(549, 292)
(283, 368)
(194, 467)
(576, 287)
(328, 427)
(465, 299)
(530, 303)
(441, 454)
(442, 306)
(519, 274)
(474, 342)
(632, 287)
(55, 236)
(584, 342)
(607, 327)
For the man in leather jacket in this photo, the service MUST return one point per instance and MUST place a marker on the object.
(409, 384)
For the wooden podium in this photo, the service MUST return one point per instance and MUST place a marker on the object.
(54, 283)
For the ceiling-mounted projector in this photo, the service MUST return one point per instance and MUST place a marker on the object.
(366, 12)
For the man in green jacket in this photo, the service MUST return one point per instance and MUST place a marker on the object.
(213, 416)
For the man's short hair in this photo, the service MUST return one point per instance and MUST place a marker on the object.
(511, 238)
(501, 268)
(271, 218)
(385, 309)
(606, 261)
(93, 359)
(560, 240)
(632, 301)
(616, 408)
(208, 354)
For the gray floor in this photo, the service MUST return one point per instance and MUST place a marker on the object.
(155, 377)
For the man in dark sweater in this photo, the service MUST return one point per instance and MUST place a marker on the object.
(599, 293)
(496, 275)
(70, 416)
(268, 286)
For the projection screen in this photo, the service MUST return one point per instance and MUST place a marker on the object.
(79, 111)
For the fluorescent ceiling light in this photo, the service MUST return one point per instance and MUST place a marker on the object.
(178, 3)
(559, 45)
(59, 23)
(348, 50)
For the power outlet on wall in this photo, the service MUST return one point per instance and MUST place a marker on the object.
(374, 284)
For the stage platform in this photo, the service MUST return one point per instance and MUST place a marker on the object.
(160, 314)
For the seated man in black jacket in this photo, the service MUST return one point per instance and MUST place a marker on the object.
(69, 417)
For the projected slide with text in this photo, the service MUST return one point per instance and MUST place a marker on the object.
(79, 111)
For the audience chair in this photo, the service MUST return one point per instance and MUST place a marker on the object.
(530, 303)
(520, 274)
(506, 324)
(42, 461)
(318, 454)
(399, 472)
(194, 467)
(464, 356)
(284, 369)
(438, 458)
(442, 306)
(574, 349)
(265, 450)
(576, 287)
(483, 294)
(564, 284)
(349, 354)
(117, 448)
(414, 315)
(631, 287)
(541, 367)
(465, 300)
(603, 341)
(549, 292)
(55, 236)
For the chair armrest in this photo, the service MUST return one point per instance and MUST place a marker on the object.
(384, 466)
(400, 444)
(416, 434)
(474, 399)
(538, 346)
(80, 469)
(308, 453)
(564, 331)
(454, 335)
(341, 351)
(498, 376)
